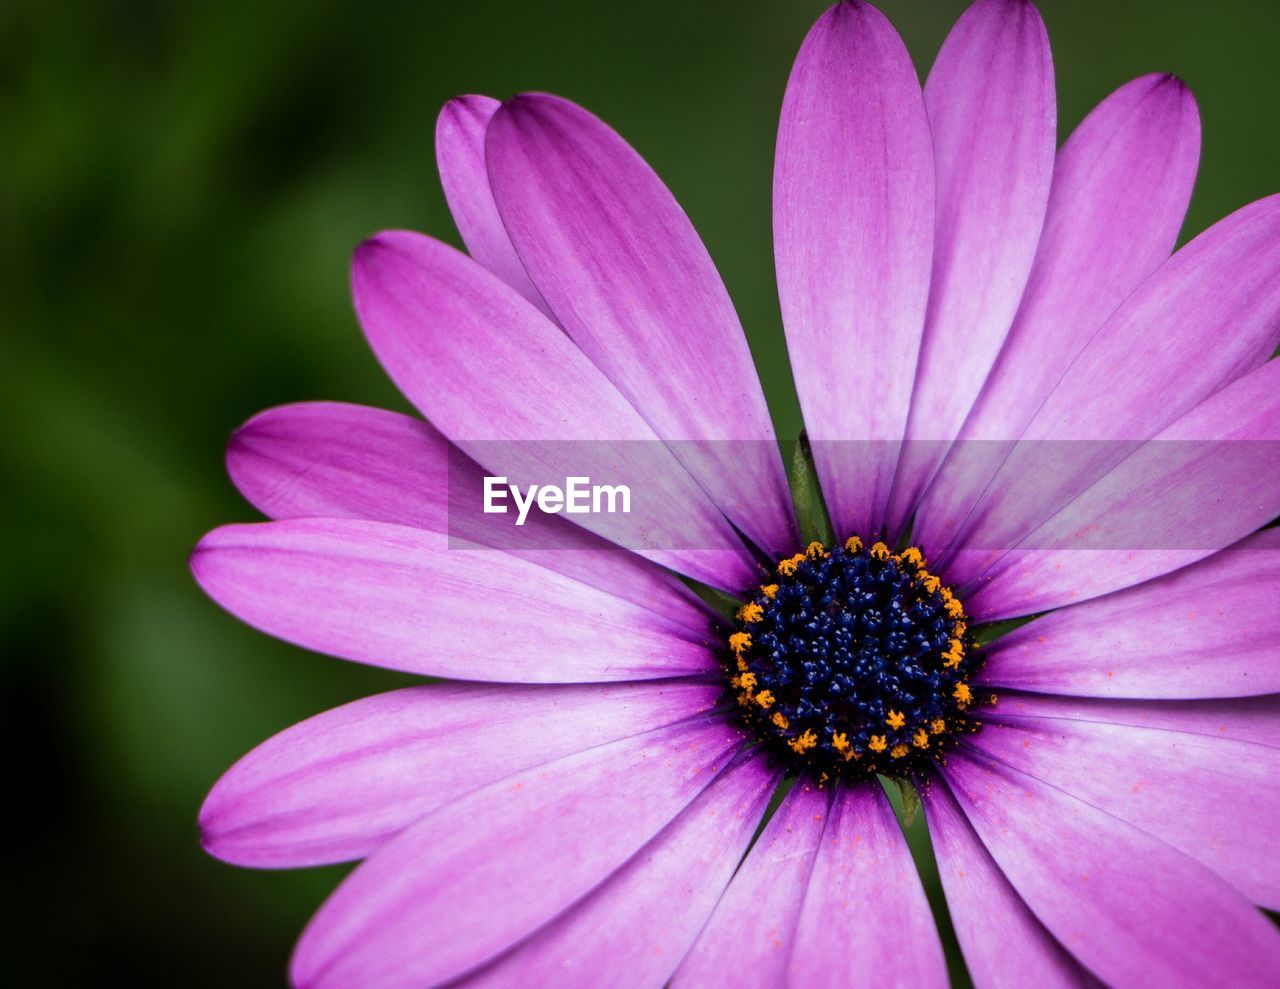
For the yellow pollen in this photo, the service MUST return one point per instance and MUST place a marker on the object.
(750, 613)
(898, 751)
(816, 550)
(954, 608)
(960, 629)
(895, 719)
(930, 583)
(780, 720)
(764, 698)
(876, 743)
(920, 739)
(746, 681)
(912, 556)
(880, 551)
(962, 694)
(739, 642)
(840, 742)
(788, 566)
(769, 590)
(853, 544)
(804, 743)
(951, 658)
(937, 726)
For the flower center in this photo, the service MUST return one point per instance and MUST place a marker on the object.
(853, 661)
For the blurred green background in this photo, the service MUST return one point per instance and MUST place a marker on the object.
(182, 185)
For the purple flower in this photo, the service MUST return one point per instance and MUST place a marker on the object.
(1099, 783)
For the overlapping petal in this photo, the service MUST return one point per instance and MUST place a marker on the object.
(1204, 483)
(519, 397)
(853, 219)
(1178, 786)
(460, 157)
(865, 919)
(1130, 907)
(398, 597)
(481, 874)
(748, 940)
(333, 460)
(625, 273)
(339, 785)
(1208, 630)
(635, 927)
(1208, 316)
(1003, 942)
(1121, 185)
(993, 116)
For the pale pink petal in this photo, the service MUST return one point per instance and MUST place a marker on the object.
(1131, 908)
(339, 785)
(332, 460)
(460, 134)
(484, 872)
(993, 115)
(1208, 630)
(1121, 185)
(635, 927)
(748, 940)
(624, 272)
(865, 919)
(398, 597)
(516, 394)
(1003, 942)
(853, 217)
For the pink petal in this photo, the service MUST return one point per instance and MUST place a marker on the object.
(460, 134)
(513, 392)
(397, 597)
(993, 115)
(1246, 719)
(1208, 630)
(865, 919)
(853, 216)
(339, 785)
(482, 873)
(1214, 799)
(636, 926)
(748, 940)
(623, 270)
(331, 460)
(1131, 908)
(1003, 942)
(1202, 484)
(1121, 185)
(1208, 316)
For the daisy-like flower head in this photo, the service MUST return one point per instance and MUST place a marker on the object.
(580, 806)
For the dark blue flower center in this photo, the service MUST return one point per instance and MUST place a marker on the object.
(853, 661)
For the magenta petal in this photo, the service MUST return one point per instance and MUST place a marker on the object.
(332, 460)
(517, 395)
(480, 874)
(853, 216)
(1131, 908)
(1003, 942)
(1245, 719)
(635, 927)
(625, 273)
(337, 786)
(460, 134)
(1121, 185)
(1213, 798)
(1208, 630)
(748, 940)
(1207, 317)
(865, 919)
(1204, 483)
(397, 597)
(993, 115)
